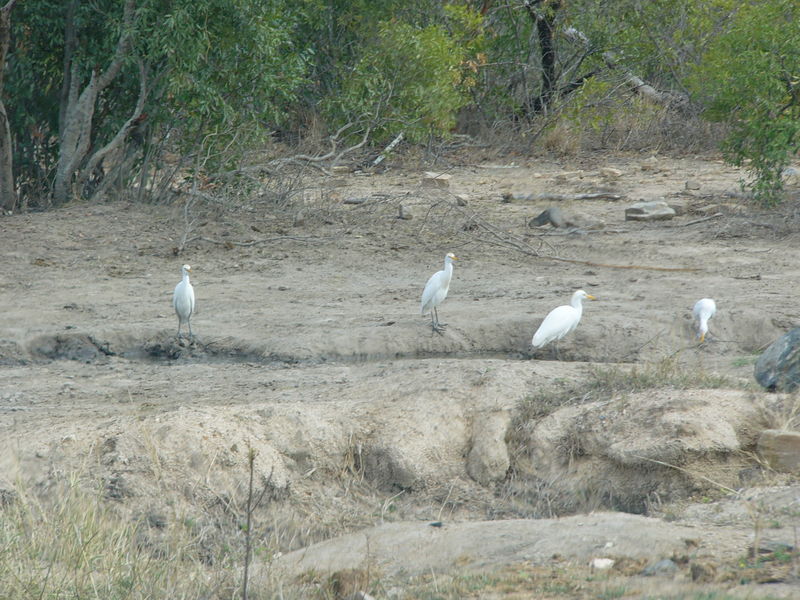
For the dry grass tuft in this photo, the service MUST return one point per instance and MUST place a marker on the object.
(781, 412)
(73, 544)
(606, 382)
(537, 497)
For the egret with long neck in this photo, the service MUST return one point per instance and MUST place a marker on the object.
(436, 291)
(183, 301)
(561, 320)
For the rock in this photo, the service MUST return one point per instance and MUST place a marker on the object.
(662, 567)
(413, 548)
(780, 449)
(462, 199)
(602, 563)
(436, 180)
(657, 210)
(552, 215)
(692, 184)
(340, 169)
(778, 368)
(791, 176)
(610, 173)
(403, 213)
(488, 459)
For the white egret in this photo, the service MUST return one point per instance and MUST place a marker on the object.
(436, 291)
(561, 320)
(183, 301)
(703, 310)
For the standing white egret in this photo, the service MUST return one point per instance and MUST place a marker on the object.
(183, 301)
(561, 320)
(703, 310)
(436, 291)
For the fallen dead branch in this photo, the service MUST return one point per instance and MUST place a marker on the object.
(547, 196)
(232, 244)
(388, 149)
(280, 238)
(578, 231)
(703, 220)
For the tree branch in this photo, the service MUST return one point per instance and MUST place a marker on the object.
(75, 141)
(119, 138)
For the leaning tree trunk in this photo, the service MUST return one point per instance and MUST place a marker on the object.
(76, 130)
(8, 191)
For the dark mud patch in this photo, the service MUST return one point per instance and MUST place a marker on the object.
(77, 347)
(169, 350)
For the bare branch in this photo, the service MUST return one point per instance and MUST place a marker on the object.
(76, 137)
(121, 51)
(119, 138)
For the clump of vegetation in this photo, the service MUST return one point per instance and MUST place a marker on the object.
(99, 94)
(74, 544)
(605, 382)
(749, 77)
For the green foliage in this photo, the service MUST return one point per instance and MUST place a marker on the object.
(750, 78)
(34, 76)
(410, 79)
(230, 66)
(217, 70)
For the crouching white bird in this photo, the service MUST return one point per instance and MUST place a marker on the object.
(183, 301)
(436, 291)
(561, 320)
(703, 310)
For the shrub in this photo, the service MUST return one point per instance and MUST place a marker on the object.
(750, 78)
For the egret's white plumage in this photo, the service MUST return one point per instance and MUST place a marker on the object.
(703, 310)
(183, 301)
(436, 291)
(561, 320)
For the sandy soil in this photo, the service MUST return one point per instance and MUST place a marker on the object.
(308, 314)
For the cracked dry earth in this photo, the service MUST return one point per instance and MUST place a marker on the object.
(311, 349)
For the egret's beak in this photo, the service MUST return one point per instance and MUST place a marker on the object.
(590, 297)
(702, 337)
(455, 257)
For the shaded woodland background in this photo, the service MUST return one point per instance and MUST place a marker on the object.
(150, 97)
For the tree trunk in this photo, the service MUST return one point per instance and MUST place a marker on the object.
(545, 31)
(68, 91)
(8, 191)
(76, 130)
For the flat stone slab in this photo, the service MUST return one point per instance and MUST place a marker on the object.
(415, 548)
(781, 450)
(656, 210)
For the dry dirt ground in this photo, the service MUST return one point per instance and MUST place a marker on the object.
(311, 350)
